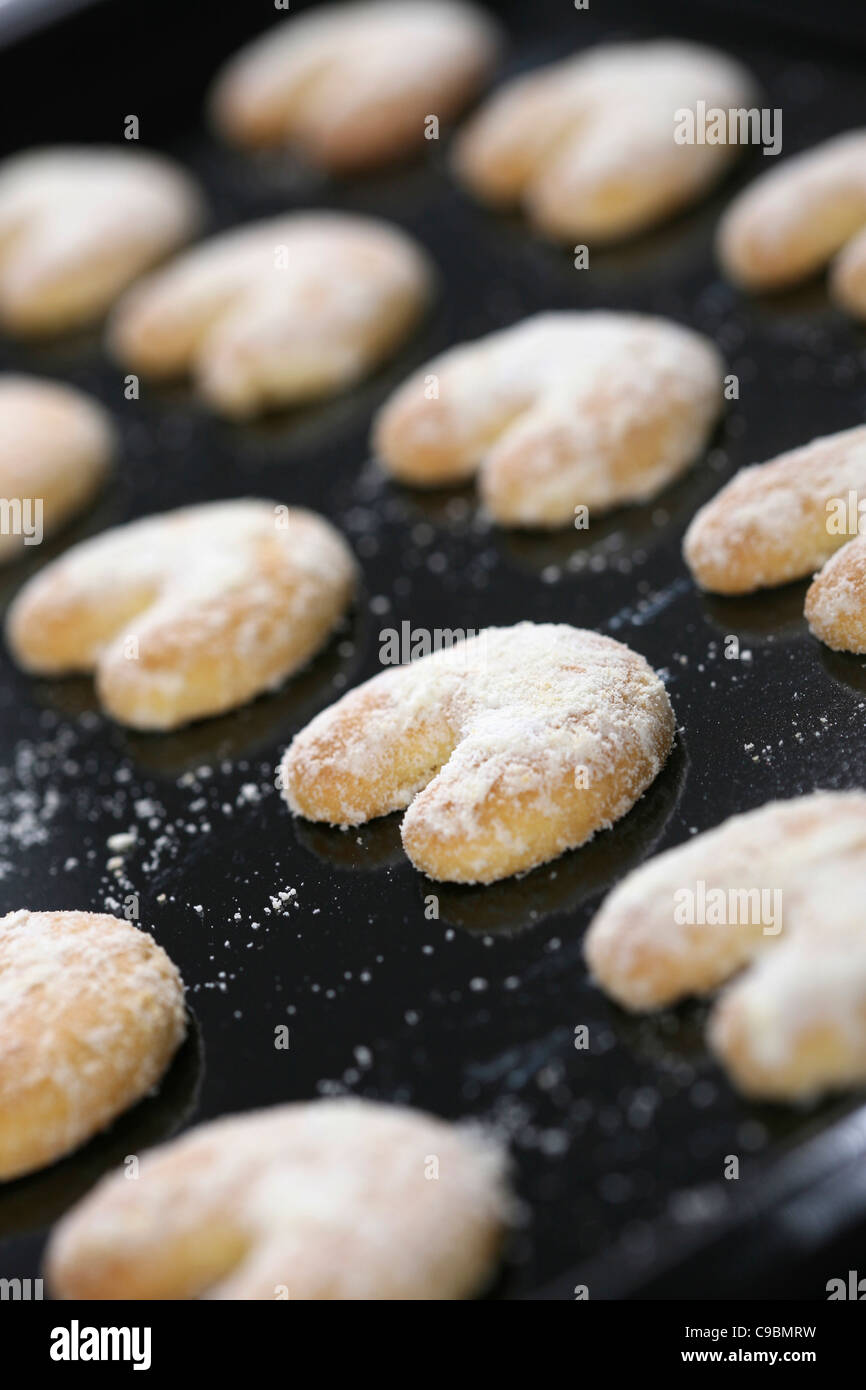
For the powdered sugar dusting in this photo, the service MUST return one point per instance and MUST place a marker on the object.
(808, 972)
(561, 138)
(335, 1199)
(514, 709)
(85, 218)
(550, 410)
(790, 221)
(770, 523)
(247, 589)
(90, 1008)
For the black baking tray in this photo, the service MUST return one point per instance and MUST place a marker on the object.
(619, 1151)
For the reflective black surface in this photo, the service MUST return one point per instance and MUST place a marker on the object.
(472, 1012)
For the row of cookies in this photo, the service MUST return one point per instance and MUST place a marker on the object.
(538, 346)
(303, 305)
(195, 612)
(184, 615)
(422, 1205)
(587, 145)
(321, 1200)
(516, 745)
(241, 1247)
(584, 145)
(326, 1200)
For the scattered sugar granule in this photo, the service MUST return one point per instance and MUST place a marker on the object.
(122, 841)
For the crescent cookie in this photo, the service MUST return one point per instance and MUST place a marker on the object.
(77, 225)
(507, 749)
(588, 146)
(779, 521)
(326, 1200)
(836, 601)
(91, 1014)
(563, 409)
(351, 86)
(55, 448)
(796, 218)
(776, 894)
(277, 312)
(189, 613)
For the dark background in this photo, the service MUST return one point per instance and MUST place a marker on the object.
(619, 1151)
